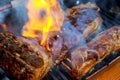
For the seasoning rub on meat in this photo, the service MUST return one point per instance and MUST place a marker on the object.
(85, 57)
(22, 58)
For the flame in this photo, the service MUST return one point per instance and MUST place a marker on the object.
(44, 16)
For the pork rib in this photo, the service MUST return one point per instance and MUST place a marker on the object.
(84, 58)
(86, 18)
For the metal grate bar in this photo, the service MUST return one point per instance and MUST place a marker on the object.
(59, 73)
(66, 72)
(53, 77)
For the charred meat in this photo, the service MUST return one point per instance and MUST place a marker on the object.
(22, 58)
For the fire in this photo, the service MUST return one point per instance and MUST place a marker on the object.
(44, 16)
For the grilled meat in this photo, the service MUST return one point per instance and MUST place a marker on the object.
(23, 59)
(85, 18)
(88, 21)
(84, 58)
(73, 35)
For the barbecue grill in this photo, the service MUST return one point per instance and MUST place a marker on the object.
(63, 69)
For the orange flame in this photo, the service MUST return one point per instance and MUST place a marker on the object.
(44, 16)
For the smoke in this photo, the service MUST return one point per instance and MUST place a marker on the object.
(17, 17)
(4, 13)
(4, 2)
(109, 10)
(71, 36)
(14, 17)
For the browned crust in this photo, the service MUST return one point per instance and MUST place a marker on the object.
(92, 26)
(20, 60)
(95, 51)
(73, 12)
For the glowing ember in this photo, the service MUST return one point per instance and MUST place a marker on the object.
(4, 27)
(44, 16)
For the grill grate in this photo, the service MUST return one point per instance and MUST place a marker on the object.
(62, 71)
